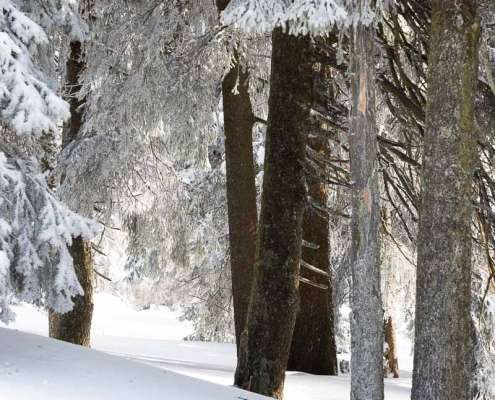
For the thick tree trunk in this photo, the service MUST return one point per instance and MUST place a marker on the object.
(265, 344)
(75, 326)
(313, 348)
(391, 341)
(443, 351)
(241, 187)
(366, 304)
(241, 191)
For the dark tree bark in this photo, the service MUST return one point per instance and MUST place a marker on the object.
(75, 67)
(241, 186)
(313, 348)
(366, 303)
(443, 351)
(265, 344)
(222, 5)
(75, 326)
(391, 341)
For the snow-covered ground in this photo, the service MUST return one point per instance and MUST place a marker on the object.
(32, 367)
(37, 368)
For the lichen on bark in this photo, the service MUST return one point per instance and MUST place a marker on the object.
(443, 354)
(366, 303)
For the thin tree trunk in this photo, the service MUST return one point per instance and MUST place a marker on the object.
(241, 186)
(443, 351)
(366, 304)
(388, 283)
(265, 344)
(313, 348)
(391, 341)
(75, 326)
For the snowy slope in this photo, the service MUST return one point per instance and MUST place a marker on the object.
(153, 337)
(33, 367)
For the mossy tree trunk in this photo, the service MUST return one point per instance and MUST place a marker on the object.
(241, 186)
(265, 344)
(75, 326)
(443, 351)
(366, 303)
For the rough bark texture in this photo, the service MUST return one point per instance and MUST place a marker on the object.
(75, 66)
(265, 344)
(443, 349)
(75, 326)
(313, 348)
(241, 191)
(391, 341)
(366, 304)
(241, 187)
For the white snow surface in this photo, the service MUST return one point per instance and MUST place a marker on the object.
(141, 355)
(34, 367)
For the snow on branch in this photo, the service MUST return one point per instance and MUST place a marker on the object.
(315, 17)
(27, 104)
(35, 230)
